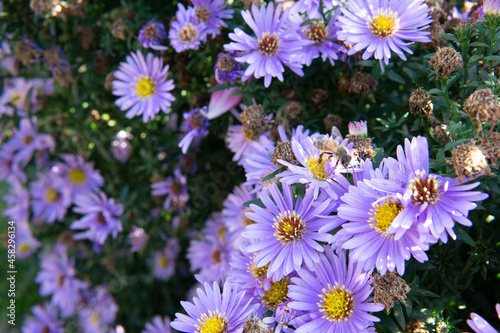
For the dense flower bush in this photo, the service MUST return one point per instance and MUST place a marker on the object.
(220, 166)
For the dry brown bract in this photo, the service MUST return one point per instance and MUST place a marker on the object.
(420, 102)
(441, 133)
(254, 325)
(362, 83)
(274, 134)
(253, 119)
(446, 61)
(284, 151)
(469, 160)
(482, 106)
(362, 146)
(118, 29)
(26, 51)
(293, 111)
(414, 326)
(388, 289)
(491, 147)
(330, 121)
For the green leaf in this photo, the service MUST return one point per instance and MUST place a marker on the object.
(435, 91)
(399, 315)
(475, 58)
(426, 293)
(464, 236)
(257, 202)
(222, 86)
(450, 37)
(492, 58)
(451, 145)
(273, 174)
(393, 76)
(478, 44)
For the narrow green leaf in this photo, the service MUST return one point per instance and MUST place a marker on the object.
(464, 236)
(426, 293)
(257, 202)
(450, 37)
(273, 174)
(492, 58)
(399, 315)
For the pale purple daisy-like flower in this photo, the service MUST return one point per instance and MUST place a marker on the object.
(10, 170)
(358, 128)
(100, 220)
(175, 189)
(137, 238)
(152, 34)
(16, 93)
(210, 256)
(143, 86)
(196, 127)
(334, 296)
(435, 202)
(164, 260)
(479, 325)
(233, 213)
(247, 275)
(44, 320)
(272, 47)
(227, 69)
(288, 233)
(379, 27)
(99, 311)
(212, 311)
(240, 142)
(212, 13)
(26, 244)
(50, 197)
(370, 214)
(187, 32)
(57, 277)
(283, 318)
(158, 325)
(121, 147)
(18, 203)
(79, 175)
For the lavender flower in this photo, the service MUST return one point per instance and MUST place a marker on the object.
(381, 26)
(212, 311)
(227, 69)
(273, 46)
(143, 86)
(158, 325)
(80, 177)
(100, 218)
(26, 244)
(121, 147)
(175, 189)
(187, 31)
(212, 13)
(10, 170)
(210, 256)
(196, 127)
(334, 296)
(99, 311)
(58, 278)
(45, 320)
(50, 197)
(152, 34)
(479, 325)
(164, 260)
(287, 233)
(138, 239)
(233, 213)
(18, 203)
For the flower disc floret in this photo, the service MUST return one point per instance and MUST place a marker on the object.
(290, 228)
(269, 45)
(425, 189)
(212, 323)
(383, 215)
(337, 304)
(277, 294)
(317, 32)
(384, 23)
(145, 87)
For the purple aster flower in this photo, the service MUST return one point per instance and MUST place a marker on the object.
(18, 203)
(227, 69)
(212, 311)
(239, 141)
(435, 202)
(45, 320)
(283, 317)
(26, 244)
(287, 232)
(50, 197)
(143, 86)
(196, 127)
(17, 92)
(99, 311)
(479, 325)
(164, 260)
(212, 13)
(57, 277)
(358, 128)
(10, 170)
(233, 214)
(121, 147)
(158, 325)
(322, 34)
(370, 214)
(273, 46)
(80, 177)
(175, 189)
(222, 101)
(138, 239)
(334, 296)
(187, 32)
(100, 220)
(210, 256)
(152, 34)
(381, 26)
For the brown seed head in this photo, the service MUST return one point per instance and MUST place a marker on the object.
(25, 52)
(362, 83)
(388, 289)
(118, 29)
(420, 102)
(482, 106)
(255, 325)
(247, 4)
(344, 83)
(188, 163)
(274, 135)
(363, 146)
(470, 161)
(226, 62)
(414, 326)
(253, 116)
(441, 133)
(436, 40)
(284, 151)
(491, 147)
(95, 116)
(330, 121)
(319, 97)
(446, 61)
(63, 76)
(293, 111)
(108, 81)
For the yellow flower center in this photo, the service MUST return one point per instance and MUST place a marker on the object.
(145, 87)
(77, 176)
(289, 228)
(383, 215)
(384, 23)
(336, 303)
(269, 45)
(15, 98)
(424, 190)
(212, 323)
(316, 32)
(94, 319)
(317, 167)
(276, 294)
(188, 34)
(258, 273)
(246, 221)
(52, 195)
(24, 248)
(203, 14)
(162, 262)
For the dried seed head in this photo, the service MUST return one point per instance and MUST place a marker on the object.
(253, 116)
(436, 40)
(363, 146)
(388, 289)
(63, 76)
(344, 83)
(482, 106)
(284, 151)
(293, 111)
(274, 135)
(330, 121)
(290, 93)
(95, 116)
(450, 25)
(446, 61)
(420, 102)
(26, 51)
(247, 4)
(51, 7)
(362, 83)
(319, 97)
(436, 9)
(414, 326)
(255, 325)
(108, 81)
(441, 133)
(470, 161)
(118, 29)
(188, 163)
(491, 147)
